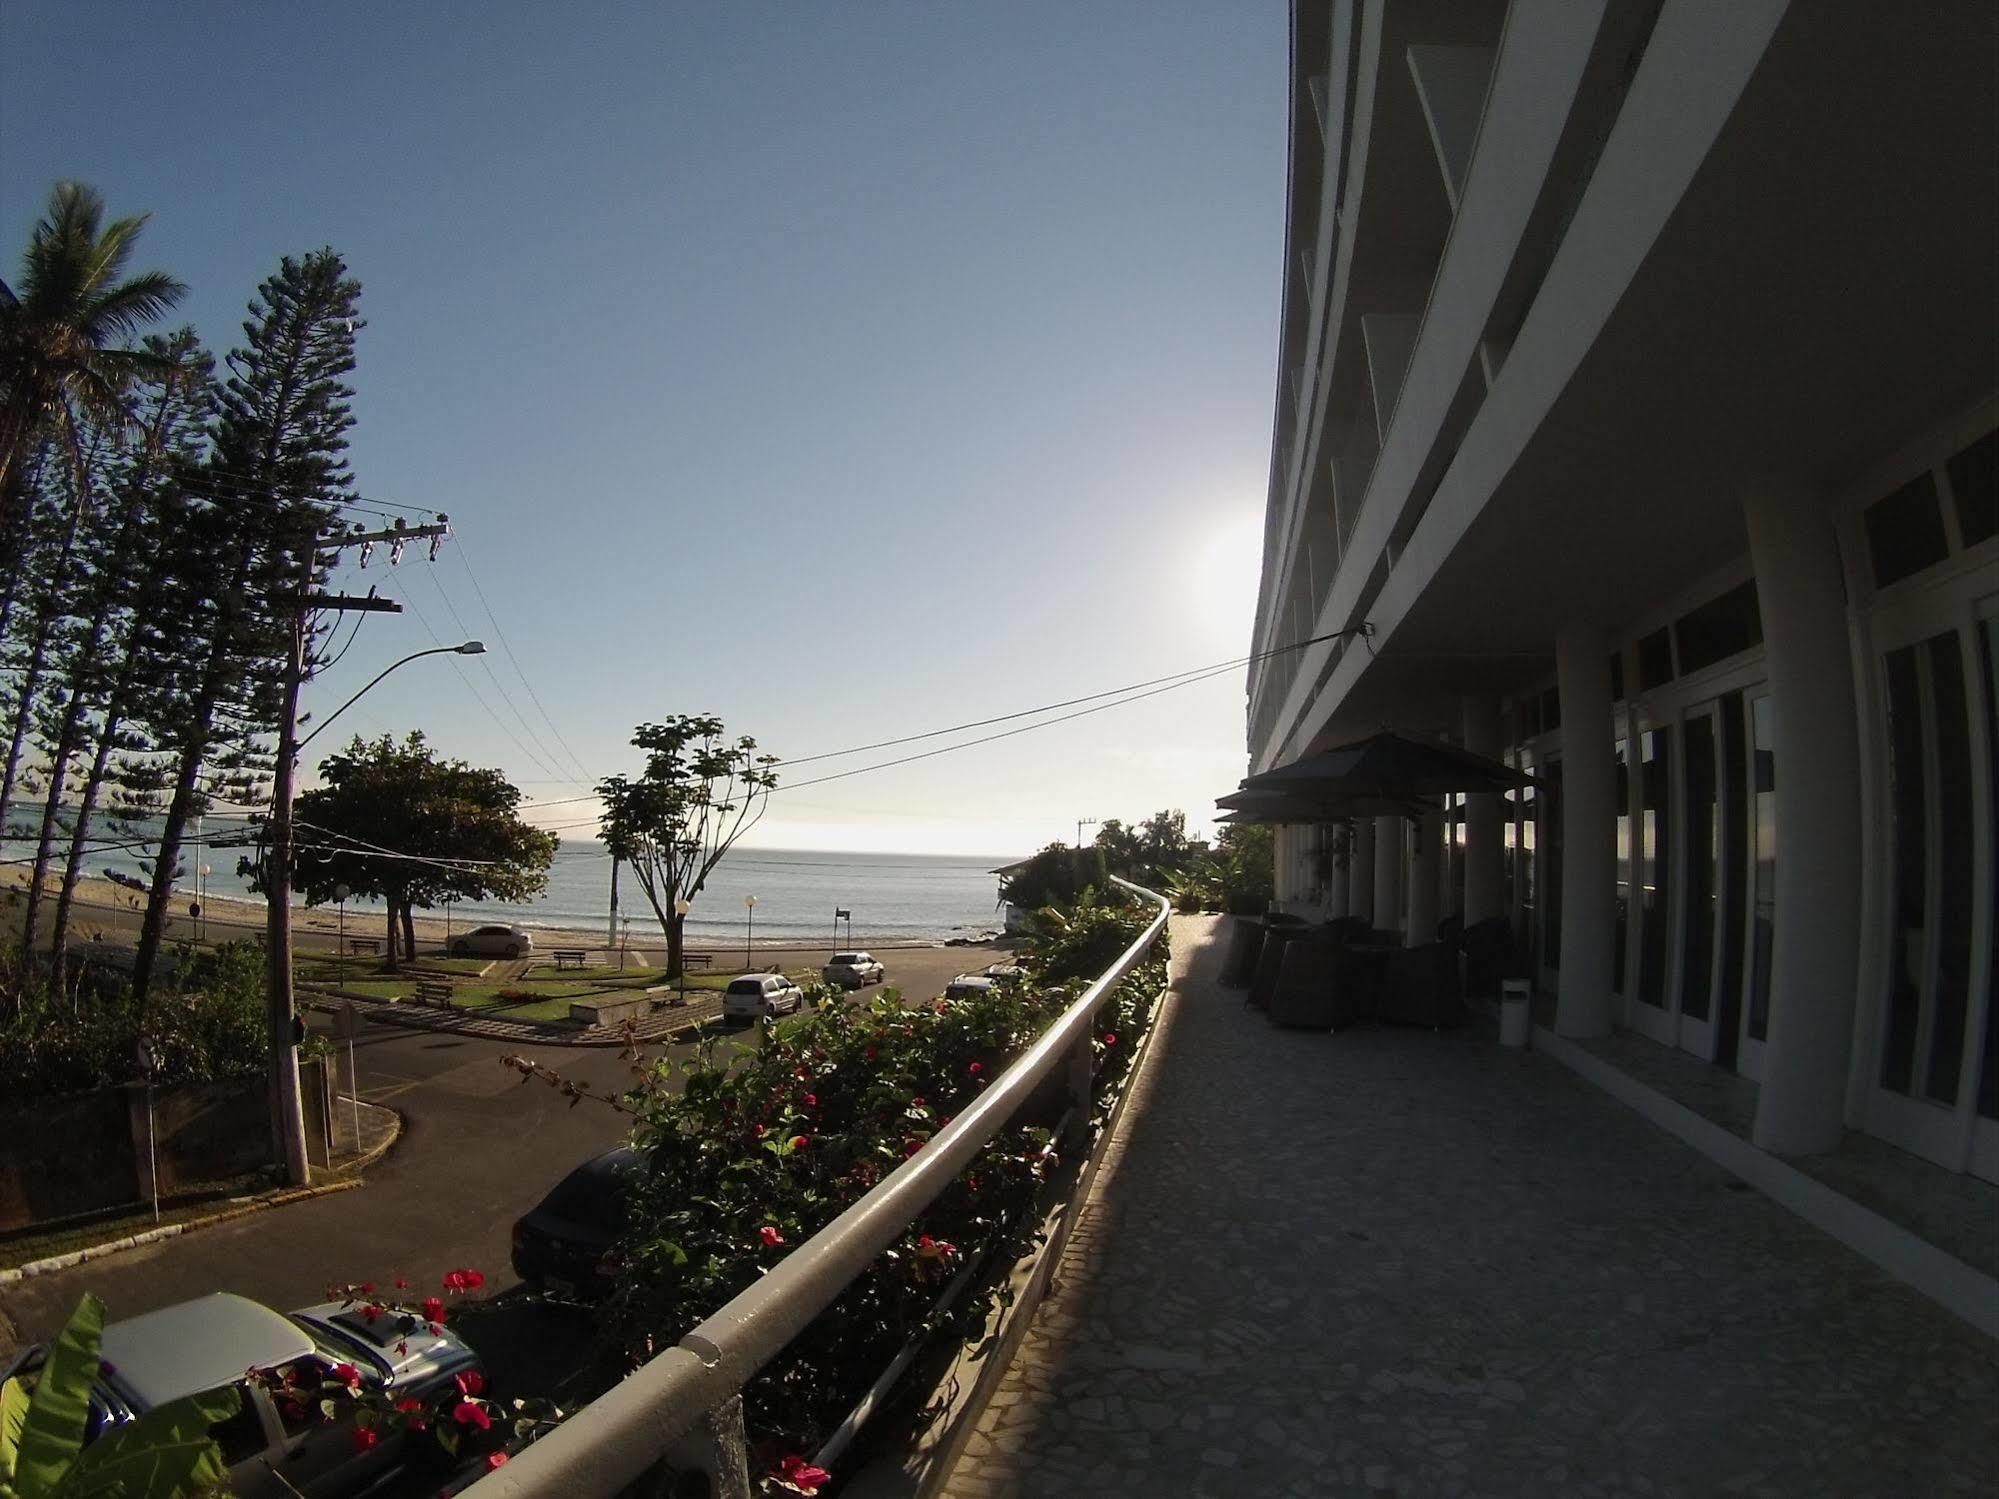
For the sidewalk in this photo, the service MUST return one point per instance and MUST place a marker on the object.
(1414, 1263)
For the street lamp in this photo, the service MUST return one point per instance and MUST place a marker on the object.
(282, 1008)
(750, 903)
(680, 909)
(469, 648)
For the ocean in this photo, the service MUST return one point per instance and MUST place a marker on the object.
(895, 897)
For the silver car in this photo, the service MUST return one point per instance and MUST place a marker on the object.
(493, 941)
(753, 996)
(852, 970)
(210, 1343)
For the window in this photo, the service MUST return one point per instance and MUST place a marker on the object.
(1617, 676)
(1720, 628)
(1905, 531)
(1655, 660)
(1974, 489)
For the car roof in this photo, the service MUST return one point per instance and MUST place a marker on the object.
(197, 1346)
(970, 981)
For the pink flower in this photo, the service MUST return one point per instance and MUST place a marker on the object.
(363, 1437)
(471, 1382)
(1110, 1038)
(796, 1472)
(771, 1237)
(812, 1100)
(495, 1460)
(977, 1068)
(465, 1413)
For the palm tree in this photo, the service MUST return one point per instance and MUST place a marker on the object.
(58, 362)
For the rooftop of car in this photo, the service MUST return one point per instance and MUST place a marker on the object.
(197, 1346)
(853, 957)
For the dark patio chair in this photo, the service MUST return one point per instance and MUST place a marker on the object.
(1322, 986)
(1419, 986)
(1491, 956)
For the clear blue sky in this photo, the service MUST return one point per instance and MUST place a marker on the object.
(844, 370)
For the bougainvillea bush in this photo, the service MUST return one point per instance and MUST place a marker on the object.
(754, 1152)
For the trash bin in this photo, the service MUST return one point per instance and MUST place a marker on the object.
(1515, 1013)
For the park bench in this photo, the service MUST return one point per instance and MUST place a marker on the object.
(359, 945)
(570, 957)
(432, 992)
(697, 960)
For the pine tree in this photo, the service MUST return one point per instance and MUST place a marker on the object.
(273, 483)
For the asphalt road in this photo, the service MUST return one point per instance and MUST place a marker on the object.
(479, 1148)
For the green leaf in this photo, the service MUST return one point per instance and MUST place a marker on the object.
(165, 1453)
(52, 1429)
(13, 1413)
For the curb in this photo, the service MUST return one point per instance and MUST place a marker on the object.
(175, 1230)
(361, 1163)
(470, 1022)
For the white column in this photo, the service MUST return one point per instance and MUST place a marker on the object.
(1388, 835)
(1485, 868)
(1589, 833)
(1423, 862)
(1802, 595)
(1339, 884)
(1360, 870)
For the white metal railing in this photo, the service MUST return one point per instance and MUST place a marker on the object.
(685, 1404)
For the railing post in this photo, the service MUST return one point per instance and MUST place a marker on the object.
(718, 1447)
(1077, 1137)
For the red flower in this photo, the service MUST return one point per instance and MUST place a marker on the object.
(762, 1130)
(367, 1288)
(371, 1312)
(801, 1475)
(363, 1437)
(293, 1411)
(977, 1068)
(463, 1280)
(471, 1382)
(465, 1413)
(812, 1100)
(402, 1347)
(348, 1375)
(409, 1403)
(799, 1142)
(869, 1054)
(1110, 1038)
(401, 1284)
(916, 1102)
(495, 1460)
(771, 1237)
(433, 1309)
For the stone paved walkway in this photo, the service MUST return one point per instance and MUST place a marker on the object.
(1398, 1262)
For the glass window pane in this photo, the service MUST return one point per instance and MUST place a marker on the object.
(1549, 809)
(1654, 789)
(1551, 710)
(1974, 489)
(1908, 869)
(1655, 660)
(1905, 531)
(1988, 1069)
(1763, 853)
(1954, 871)
(1720, 628)
(1703, 807)
(1623, 865)
(1617, 676)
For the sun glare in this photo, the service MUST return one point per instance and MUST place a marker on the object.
(1226, 571)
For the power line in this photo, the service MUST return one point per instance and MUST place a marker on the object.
(465, 562)
(473, 687)
(548, 760)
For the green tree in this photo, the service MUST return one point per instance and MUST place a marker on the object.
(1057, 876)
(1119, 845)
(59, 327)
(674, 821)
(395, 823)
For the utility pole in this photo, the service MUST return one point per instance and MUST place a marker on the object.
(1081, 823)
(287, 1108)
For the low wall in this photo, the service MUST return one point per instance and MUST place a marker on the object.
(66, 1157)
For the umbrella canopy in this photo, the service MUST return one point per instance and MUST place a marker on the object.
(1248, 805)
(1390, 765)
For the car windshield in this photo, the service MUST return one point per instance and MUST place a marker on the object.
(849, 957)
(340, 1345)
(591, 1196)
(747, 986)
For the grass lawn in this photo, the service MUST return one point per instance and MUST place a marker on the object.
(547, 996)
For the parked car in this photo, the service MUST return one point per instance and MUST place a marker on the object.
(211, 1343)
(752, 996)
(493, 941)
(1006, 973)
(852, 970)
(967, 986)
(562, 1246)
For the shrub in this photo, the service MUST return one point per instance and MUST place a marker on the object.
(755, 1152)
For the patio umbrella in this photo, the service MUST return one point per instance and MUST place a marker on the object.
(1390, 765)
(1249, 805)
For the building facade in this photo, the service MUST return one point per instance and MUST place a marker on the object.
(1637, 393)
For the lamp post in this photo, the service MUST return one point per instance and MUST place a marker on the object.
(340, 949)
(680, 909)
(282, 1016)
(1081, 823)
(749, 932)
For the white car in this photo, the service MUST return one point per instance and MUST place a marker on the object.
(968, 986)
(1006, 973)
(494, 941)
(274, 1448)
(752, 996)
(852, 970)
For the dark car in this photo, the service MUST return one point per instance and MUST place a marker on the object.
(563, 1246)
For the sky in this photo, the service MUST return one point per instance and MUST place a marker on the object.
(845, 371)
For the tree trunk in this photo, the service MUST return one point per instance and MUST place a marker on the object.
(178, 812)
(86, 808)
(389, 946)
(676, 944)
(409, 932)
